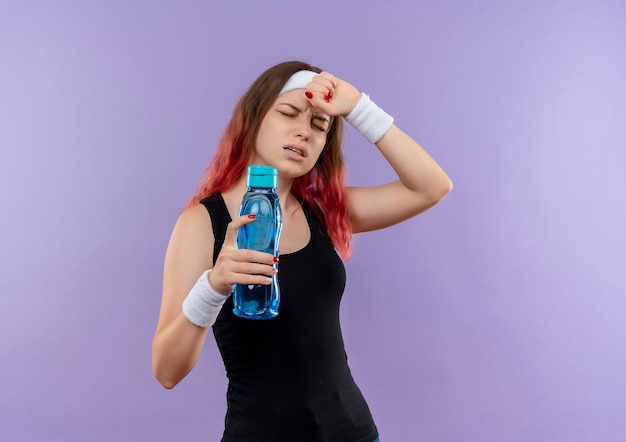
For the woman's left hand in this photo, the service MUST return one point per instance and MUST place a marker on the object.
(331, 95)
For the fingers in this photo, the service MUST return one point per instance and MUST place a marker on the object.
(253, 256)
(233, 228)
(223, 277)
(253, 280)
(327, 77)
(241, 266)
(331, 95)
(322, 85)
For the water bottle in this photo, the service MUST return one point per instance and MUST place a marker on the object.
(260, 301)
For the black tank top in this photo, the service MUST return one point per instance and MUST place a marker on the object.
(288, 377)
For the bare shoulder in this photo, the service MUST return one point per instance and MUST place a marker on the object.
(190, 249)
(194, 226)
(189, 253)
(194, 217)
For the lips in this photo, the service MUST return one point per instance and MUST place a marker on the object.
(298, 150)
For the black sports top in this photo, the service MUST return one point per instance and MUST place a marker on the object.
(288, 377)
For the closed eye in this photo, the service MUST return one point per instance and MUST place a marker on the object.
(320, 123)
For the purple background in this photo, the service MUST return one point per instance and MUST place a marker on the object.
(497, 316)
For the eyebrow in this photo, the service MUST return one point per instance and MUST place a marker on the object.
(316, 116)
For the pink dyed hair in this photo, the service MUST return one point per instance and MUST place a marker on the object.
(323, 187)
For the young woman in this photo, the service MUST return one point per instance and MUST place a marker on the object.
(288, 377)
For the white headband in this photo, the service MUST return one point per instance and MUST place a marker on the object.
(299, 80)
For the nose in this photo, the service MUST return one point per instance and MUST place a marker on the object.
(303, 128)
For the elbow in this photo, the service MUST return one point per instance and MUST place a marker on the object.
(169, 368)
(167, 382)
(441, 191)
(163, 372)
(446, 188)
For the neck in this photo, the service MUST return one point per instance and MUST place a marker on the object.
(284, 189)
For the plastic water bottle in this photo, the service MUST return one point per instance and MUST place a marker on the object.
(260, 301)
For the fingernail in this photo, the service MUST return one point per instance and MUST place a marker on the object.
(276, 259)
(326, 97)
(308, 94)
(252, 216)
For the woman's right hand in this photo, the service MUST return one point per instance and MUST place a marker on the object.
(240, 266)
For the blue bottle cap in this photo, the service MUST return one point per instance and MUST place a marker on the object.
(262, 176)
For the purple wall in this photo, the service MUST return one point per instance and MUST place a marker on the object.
(497, 316)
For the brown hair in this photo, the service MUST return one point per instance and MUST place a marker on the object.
(323, 185)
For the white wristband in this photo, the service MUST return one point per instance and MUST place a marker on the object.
(203, 303)
(370, 120)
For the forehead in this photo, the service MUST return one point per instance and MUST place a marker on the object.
(297, 99)
(295, 96)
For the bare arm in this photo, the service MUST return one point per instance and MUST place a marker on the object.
(421, 183)
(177, 343)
